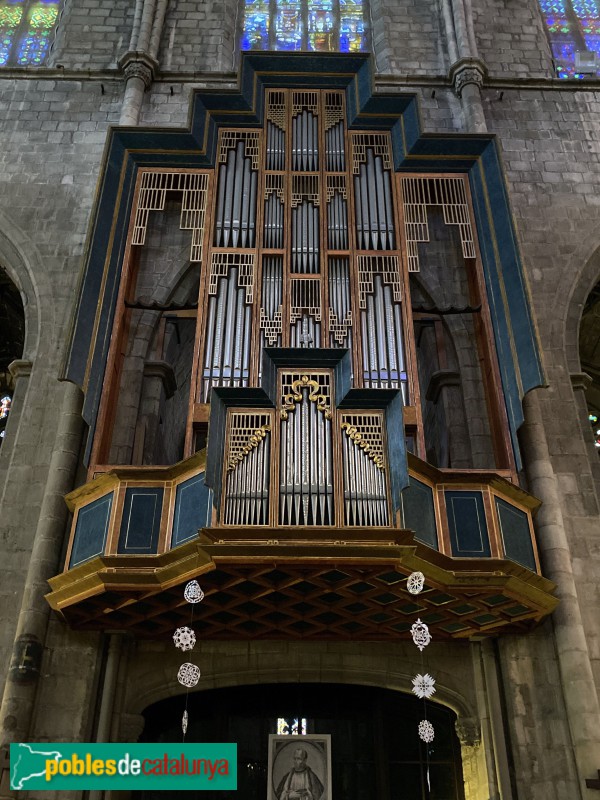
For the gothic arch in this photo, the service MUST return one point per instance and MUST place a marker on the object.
(23, 264)
(160, 686)
(588, 277)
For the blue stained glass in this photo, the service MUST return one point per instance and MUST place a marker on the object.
(256, 26)
(593, 43)
(288, 26)
(585, 8)
(571, 24)
(553, 7)
(10, 16)
(320, 25)
(34, 46)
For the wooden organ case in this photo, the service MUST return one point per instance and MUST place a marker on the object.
(303, 256)
(298, 250)
(305, 240)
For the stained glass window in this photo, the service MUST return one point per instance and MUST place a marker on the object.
(26, 28)
(573, 27)
(292, 727)
(317, 25)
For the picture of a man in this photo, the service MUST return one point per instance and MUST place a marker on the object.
(300, 783)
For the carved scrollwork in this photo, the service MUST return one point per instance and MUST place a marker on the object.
(296, 396)
(241, 451)
(372, 446)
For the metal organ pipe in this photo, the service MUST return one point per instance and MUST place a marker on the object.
(373, 201)
(365, 491)
(247, 484)
(305, 142)
(305, 238)
(335, 151)
(275, 147)
(227, 347)
(236, 201)
(337, 223)
(383, 352)
(306, 476)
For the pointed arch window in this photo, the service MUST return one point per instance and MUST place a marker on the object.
(26, 29)
(313, 25)
(573, 27)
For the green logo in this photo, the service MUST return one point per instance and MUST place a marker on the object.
(60, 766)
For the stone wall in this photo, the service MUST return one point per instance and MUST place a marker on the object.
(53, 134)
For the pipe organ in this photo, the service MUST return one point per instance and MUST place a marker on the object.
(298, 232)
(303, 256)
(304, 211)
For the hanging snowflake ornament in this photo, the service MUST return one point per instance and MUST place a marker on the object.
(415, 583)
(193, 593)
(184, 638)
(423, 686)
(184, 722)
(426, 731)
(188, 675)
(420, 634)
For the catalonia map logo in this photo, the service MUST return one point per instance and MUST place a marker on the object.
(63, 766)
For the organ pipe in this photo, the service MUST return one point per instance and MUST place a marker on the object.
(235, 220)
(306, 467)
(373, 204)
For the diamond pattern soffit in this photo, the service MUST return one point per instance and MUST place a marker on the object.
(330, 585)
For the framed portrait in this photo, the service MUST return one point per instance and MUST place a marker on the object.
(299, 767)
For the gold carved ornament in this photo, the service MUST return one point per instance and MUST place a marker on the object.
(295, 396)
(369, 449)
(254, 440)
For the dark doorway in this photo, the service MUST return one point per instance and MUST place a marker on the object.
(12, 337)
(376, 750)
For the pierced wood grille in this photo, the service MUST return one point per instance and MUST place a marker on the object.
(248, 469)
(450, 194)
(365, 484)
(152, 196)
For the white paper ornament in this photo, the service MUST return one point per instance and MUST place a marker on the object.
(184, 638)
(184, 722)
(193, 593)
(188, 675)
(423, 686)
(426, 731)
(415, 582)
(420, 634)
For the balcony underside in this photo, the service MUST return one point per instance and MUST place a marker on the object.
(314, 584)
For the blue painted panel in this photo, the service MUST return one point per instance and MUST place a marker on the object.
(516, 534)
(418, 512)
(193, 509)
(91, 530)
(468, 527)
(140, 524)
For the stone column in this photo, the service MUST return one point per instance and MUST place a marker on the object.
(467, 76)
(577, 679)
(469, 736)
(139, 70)
(493, 759)
(20, 371)
(20, 691)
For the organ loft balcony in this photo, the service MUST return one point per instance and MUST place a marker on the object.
(329, 349)
(304, 524)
